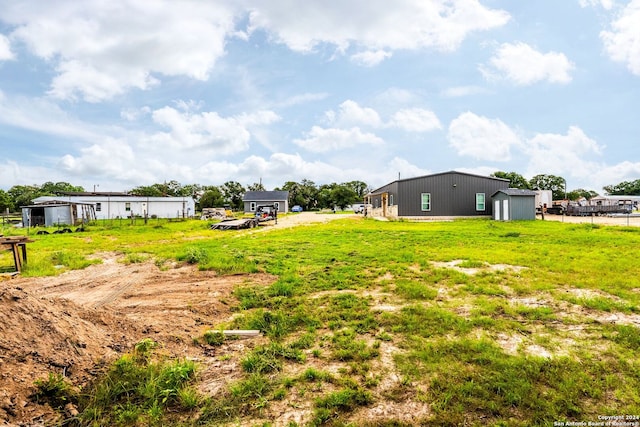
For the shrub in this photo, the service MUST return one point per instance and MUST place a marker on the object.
(214, 337)
(54, 390)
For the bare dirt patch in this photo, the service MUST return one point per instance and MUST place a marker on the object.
(303, 218)
(620, 220)
(455, 265)
(68, 323)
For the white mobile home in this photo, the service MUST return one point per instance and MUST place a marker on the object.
(109, 206)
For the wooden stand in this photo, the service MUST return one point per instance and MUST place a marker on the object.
(17, 245)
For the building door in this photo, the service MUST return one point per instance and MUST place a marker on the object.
(505, 209)
(384, 204)
(496, 210)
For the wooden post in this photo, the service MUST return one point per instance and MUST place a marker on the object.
(16, 256)
(24, 252)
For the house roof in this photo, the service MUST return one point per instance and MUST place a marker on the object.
(95, 193)
(376, 191)
(54, 203)
(516, 192)
(265, 195)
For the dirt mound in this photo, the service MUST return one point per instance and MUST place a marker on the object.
(73, 323)
(39, 336)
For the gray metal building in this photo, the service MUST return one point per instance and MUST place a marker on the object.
(253, 199)
(446, 194)
(514, 204)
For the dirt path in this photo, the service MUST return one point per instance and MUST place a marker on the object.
(622, 220)
(306, 218)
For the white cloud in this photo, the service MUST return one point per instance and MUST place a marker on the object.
(415, 120)
(372, 25)
(110, 158)
(20, 174)
(460, 91)
(321, 140)
(523, 65)
(274, 170)
(481, 137)
(605, 4)
(622, 43)
(207, 130)
(41, 115)
(615, 174)
(302, 99)
(395, 97)
(133, 114)
(557, 154)
(370, 58)
(5, 49)
(102, 49)
(350, 113)
(405, 169)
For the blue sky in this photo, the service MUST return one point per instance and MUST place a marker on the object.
(117, 94)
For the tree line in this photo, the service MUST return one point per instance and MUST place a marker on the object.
(305, 193)
(557, 185)
(230, 194)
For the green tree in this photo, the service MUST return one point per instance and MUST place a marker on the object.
(154, 190)
(359, 187)
(53, 189)
(625, 188)
(342, 196)
(233, 192)
(192, 190)
(325, 196)
(309, 193)
(211, 198)
(5, 202)
(295, 193)
(256, 186)
(515, 179)
(304, 193)
(556, 184)
(580, 192)
(22, 195)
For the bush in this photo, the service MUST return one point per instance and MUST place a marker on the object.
(55, 391)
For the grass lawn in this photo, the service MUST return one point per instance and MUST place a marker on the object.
(482, 322)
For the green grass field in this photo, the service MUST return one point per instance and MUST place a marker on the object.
(482, 322)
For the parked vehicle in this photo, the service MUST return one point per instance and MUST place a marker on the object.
(543, 201)
(358, 208)
(215, 213)
(263, 213)
(267, 213)
(296, 208)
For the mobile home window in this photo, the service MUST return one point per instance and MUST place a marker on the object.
(252, 206)
(426, 201)
(277, 205)
(98, 207)
(480, 202)
(127, 206)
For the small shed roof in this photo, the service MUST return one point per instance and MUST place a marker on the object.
(52, 203)
(265, 195)
(516, 192)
